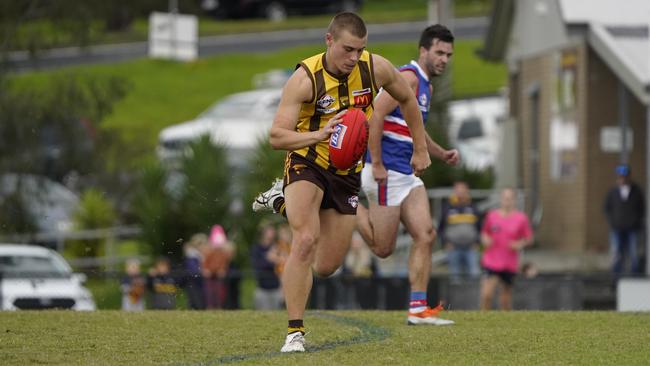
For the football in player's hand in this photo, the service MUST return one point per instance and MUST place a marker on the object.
(349, 140)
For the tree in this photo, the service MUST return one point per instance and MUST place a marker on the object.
(95, 212)
(265, 165)
(206, 193)
(171, 206)
(51, 129)
(155, 211)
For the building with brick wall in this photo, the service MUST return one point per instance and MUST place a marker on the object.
(579, 75)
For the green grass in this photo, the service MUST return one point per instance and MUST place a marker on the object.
(335, 338)
(107, 293)
(164, 93)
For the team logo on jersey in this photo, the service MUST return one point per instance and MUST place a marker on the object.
(336, 139)
(353, 201)
(298, 168)
(324, 102)
(362, 98)
(423, 100)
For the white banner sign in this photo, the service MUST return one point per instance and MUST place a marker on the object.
(611, 141)
(173, 36)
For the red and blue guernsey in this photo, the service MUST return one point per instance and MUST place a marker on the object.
(396, 142)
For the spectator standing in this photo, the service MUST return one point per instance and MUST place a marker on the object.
(217, 254)
(460, 230)
(505, 232)
(264, 258)
(624, 208)
(192, 266)
(162, 286)
(133, 287)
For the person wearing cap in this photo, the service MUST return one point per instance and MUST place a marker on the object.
(624, 209)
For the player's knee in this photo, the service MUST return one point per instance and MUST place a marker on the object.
(325, 270)
(383, 251)
(304, 245)
(425, 237)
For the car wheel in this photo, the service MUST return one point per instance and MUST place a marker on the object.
(275, 12)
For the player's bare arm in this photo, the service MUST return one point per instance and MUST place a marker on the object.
(389, 78)
(486, 240)
(451, 157)
(283, 134)
(383, 105)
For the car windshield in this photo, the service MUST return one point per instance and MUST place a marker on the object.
(236, 106)
(470, 128)
(26, 266)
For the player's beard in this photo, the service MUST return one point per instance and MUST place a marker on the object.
(431, 69)
(435, 71)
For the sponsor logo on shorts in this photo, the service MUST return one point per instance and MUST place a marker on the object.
(336, 139)
(353, 201)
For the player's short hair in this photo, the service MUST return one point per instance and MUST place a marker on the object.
(350, 22)
(432, 32)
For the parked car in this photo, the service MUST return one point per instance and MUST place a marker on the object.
(33, 277)
(474, 130)
(49, 204)
(276, 10)
(238, 121)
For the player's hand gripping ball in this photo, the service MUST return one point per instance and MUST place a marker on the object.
(349, 140)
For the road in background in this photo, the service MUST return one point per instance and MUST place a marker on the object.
(20, 61)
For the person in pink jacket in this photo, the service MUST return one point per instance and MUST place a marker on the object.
(505, 232)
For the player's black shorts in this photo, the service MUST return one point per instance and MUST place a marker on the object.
(506, 277)
(340, 192)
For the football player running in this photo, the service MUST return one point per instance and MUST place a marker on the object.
(320, 201)
(392, 187)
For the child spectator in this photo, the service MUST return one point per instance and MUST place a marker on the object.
(162, 286)
(133, 286)
(192, 267)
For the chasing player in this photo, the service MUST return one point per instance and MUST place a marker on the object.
(392, 187)
(320, 201)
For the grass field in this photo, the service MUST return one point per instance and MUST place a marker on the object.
(335, 338)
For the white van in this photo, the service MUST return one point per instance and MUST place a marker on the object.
(474, 129)
(33, 277)
(238, 121)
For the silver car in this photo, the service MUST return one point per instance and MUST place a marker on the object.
(238, 121)
(33, 277)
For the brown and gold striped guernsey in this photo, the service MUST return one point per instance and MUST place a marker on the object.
(331, 95)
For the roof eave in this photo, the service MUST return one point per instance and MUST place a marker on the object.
(604, 45)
